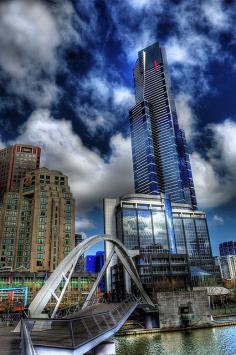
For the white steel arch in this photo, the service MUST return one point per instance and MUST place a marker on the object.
(65, 269)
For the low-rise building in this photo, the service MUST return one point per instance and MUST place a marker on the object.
(76, 292)
(227, 248)
(171, 238)
(227, 266)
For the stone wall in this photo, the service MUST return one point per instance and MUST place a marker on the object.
(183, 309)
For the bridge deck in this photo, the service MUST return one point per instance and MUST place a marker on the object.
(94, 309)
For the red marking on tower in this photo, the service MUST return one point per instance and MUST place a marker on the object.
(155, 65)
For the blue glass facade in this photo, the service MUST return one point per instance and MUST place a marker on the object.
(145, 175)
(227, 248)
(90, 263)
(156, 225)
(94, 263)
(170, 226)
(160, 154)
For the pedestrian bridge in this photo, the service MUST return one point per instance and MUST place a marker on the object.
(75, 335)
(92, 324)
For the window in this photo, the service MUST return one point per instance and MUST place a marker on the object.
(130, 232)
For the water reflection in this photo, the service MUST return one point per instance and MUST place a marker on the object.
(216, 341)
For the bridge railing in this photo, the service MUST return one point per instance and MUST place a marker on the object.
(67, 311)
(74, 332)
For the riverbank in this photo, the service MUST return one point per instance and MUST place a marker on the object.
(142, 331)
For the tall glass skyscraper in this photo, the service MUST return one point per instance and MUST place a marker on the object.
(160, 154)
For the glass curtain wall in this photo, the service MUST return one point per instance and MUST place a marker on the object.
(143, 228)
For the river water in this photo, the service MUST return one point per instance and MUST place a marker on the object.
(212, 341)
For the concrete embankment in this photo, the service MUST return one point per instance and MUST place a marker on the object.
(142, 331)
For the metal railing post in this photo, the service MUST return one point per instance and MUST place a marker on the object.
(86, 327)
(97, 324)
(113, 319)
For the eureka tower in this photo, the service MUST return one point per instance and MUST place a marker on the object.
(160, 154)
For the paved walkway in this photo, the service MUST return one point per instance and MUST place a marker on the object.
(9, 342)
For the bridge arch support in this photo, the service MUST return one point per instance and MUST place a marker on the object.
(65, 270)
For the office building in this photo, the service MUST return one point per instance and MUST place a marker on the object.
(168, 241)
(90, 263)
(79, 237)
(15, 161)
(100, 260)
(94, 264)
(160, 155)
(227, 248)
(37, 228)
(227, 266)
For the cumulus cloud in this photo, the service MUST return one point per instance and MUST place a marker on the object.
(224, 153)
(83, 224)
(187, 118)
(31, 34)
(110, 100)
(207, 183)
(91, 176)
(215, 175)
(216, 15)
(141, 4)
(123, 96)
(218, 219)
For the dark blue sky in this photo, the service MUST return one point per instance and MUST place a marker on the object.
(66, 84)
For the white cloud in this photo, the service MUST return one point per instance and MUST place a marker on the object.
(215, 14)
(97, 120)
(140, 4)
(177, 52)
(83, 224)
(218, 219)
(208, 185)
(30, 37)
(91, 176)
(123, 96)
(187, 119)
(97, 87)
(224, 152)
(110, 100)
(215, 176)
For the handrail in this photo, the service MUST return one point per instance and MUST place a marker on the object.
(27, 347)
(85, 316)
(76, 306)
